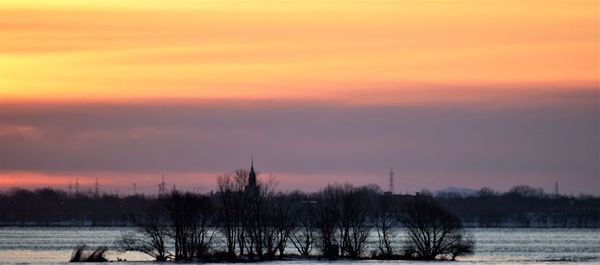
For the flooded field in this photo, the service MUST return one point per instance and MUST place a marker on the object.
(493, 246)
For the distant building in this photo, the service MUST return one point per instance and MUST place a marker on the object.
(251, 187)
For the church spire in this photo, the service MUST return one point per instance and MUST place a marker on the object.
(252, 174)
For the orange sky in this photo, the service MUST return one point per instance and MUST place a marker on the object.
(497, 53)
(121, 50)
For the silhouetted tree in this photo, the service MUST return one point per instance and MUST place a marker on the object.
(326, 219)
(385, 217)
(433, 231)
(354, 226)
(304, 237)
(344, 217)
(190, 216)
(151, 236)
(259, 220)
(486, 192)
(525, 191)
(232, 200)
(281, 214)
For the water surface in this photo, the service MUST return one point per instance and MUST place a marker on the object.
(51, 245)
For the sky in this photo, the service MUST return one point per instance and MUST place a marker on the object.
(449, 93)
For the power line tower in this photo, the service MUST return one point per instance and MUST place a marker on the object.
(556, 190)
(134, 189)
(161, 187)
(96, 188)
(77, 185)
(391, 188)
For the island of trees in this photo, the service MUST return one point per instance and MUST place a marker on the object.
(249, 220)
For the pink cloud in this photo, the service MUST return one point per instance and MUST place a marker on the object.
(22, 131)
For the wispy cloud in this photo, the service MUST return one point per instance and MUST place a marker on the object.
(471, 143)
(289, 50)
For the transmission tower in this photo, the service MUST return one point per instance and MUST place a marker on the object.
(161, 187)
(77, 185)
(97, 188)
(391, 191)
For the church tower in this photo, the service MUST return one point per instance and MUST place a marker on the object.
(252, 175)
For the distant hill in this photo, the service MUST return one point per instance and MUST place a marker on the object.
(464, 192)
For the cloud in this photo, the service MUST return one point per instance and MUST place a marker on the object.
(288, 50)
(8, 131)
(445, 144)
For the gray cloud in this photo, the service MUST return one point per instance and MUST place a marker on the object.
(445, 144)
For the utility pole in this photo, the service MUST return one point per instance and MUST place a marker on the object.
(76, 185)
(161, 187)
(97, 188)
(134, 189)
(391, 188)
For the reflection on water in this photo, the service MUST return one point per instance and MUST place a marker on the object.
(493, 246)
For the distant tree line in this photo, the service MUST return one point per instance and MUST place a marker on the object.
(51, 207)
(521, 206)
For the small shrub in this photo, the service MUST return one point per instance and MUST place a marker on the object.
(81, 253)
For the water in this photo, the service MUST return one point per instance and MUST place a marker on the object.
(42, 245)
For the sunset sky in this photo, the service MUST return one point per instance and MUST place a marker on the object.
(450, 93)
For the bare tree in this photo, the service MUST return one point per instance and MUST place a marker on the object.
(202, 232)
(433, 231)
(151, 236)
(281, 214)
(232, 204)
(354, 227)
(326, 220)
(190, 216)
(251, 219)
(303, 237)
(343, 218)
(384, 219)
(259, 228)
